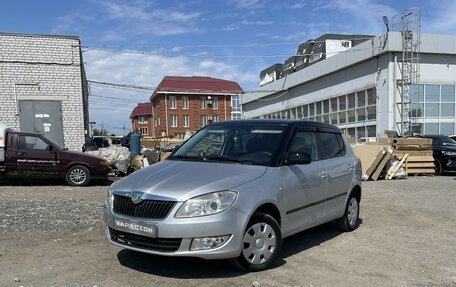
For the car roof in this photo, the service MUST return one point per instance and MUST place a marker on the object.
(433, 136)
(284, 123)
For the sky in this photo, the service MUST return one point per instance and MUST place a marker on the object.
(138, 42)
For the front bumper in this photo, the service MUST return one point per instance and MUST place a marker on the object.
(99, 172)
(230, 222)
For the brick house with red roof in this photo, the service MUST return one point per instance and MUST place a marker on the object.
(190, 103)
(142, 118)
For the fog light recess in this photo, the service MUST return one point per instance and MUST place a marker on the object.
(205, 243)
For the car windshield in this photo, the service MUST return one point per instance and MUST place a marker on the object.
(443, 141)
(236, 144)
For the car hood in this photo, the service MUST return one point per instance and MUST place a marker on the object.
(181, 180)
(79, 156)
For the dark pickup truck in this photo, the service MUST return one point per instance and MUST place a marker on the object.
(31, 155)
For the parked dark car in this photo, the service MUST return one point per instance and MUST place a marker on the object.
(453, 137)
(95, 144)
(444, 151)
(32, 155)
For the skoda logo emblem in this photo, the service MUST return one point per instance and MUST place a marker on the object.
(136, 197)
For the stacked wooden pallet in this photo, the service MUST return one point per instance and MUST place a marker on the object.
(419, 150)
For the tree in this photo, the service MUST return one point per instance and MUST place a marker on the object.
(100, 132)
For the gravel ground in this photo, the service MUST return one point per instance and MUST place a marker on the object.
(53, 236)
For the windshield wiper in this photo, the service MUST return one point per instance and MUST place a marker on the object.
(224, 158)
(187, 157)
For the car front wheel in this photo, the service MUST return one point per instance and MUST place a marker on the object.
(78, 175)
(438, 167)
(261, 243)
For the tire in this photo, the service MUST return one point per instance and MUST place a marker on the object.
(350, 220)
(261, 243)
(438, 167)
(78, 175)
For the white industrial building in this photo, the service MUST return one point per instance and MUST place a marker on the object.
(43, 87)
(360, 90)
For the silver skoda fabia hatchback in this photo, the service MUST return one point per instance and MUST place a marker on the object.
(235, 189)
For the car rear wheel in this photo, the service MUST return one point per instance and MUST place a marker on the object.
(78, 175)
(261, 243)
(350, 220)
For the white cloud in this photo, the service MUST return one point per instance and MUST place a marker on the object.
(246, 22)
(248, 4)
(231, 27)
(365, 14)
(442, 18)
(67, 23)
(139, 18)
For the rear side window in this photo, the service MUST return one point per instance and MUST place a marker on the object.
(304, 141)
(332, 145)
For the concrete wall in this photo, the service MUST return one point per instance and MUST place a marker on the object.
(40, 67)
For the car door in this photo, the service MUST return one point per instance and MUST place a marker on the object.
(339, 168)
(304, 184)
(35, 157)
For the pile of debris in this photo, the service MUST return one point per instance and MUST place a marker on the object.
(396, 158)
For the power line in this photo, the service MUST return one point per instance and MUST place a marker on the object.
(246, 45)
(122, 85)
(206, 56)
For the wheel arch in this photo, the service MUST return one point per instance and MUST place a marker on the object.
(356, 191)
(270, 209)
(72, 164)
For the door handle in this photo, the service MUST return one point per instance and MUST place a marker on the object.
(323, 175)
(22, 154)
(350, 166)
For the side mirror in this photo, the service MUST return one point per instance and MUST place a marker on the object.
(298, 158)
(51, 148)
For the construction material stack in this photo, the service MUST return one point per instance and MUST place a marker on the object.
(420, 159)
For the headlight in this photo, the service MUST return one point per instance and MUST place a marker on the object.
(207, 204)
(108, 201)
(450, 153)
(103, 162)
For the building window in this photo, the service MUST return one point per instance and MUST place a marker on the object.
(345, 44)
(203, 103)
(215, 103)
(186, 121)
(235, 116)
(215, 119)
(172, 102)
(185, 102)
(203, 121)
(174, 121)
(142, 120)
(235, 104)
(143, 131)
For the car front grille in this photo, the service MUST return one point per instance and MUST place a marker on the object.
(144, 242)
(151, 209)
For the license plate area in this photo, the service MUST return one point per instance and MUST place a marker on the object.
(137, 227)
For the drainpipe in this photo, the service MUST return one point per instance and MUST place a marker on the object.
(166, 114)
(395, 93)
(225, 108)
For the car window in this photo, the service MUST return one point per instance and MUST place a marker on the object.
(331, 145)
(248, 144)
(304, 141)
(31, 142)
